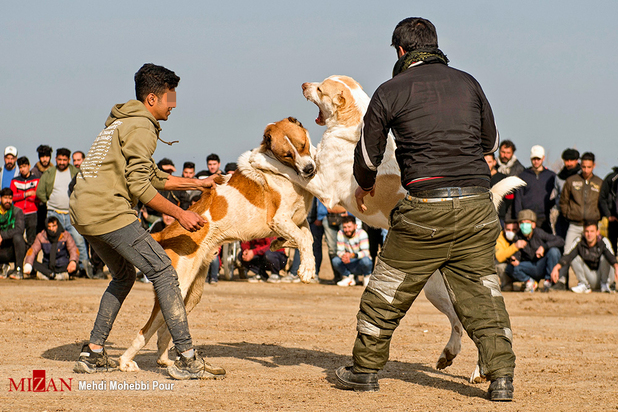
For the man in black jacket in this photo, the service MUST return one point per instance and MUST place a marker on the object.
(534, 262)
(443, 125)
(608, 205)
(12, 243)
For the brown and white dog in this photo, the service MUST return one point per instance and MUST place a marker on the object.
(251, 204)
(342, 104)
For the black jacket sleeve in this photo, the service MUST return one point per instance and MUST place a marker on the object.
(19, 225)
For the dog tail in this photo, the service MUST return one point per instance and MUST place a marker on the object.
(504, 187)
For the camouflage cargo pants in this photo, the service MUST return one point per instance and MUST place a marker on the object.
(458, 237)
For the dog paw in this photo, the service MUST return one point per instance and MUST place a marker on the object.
(306, 274)
(127, 365)
(165, 362)
(477, 377)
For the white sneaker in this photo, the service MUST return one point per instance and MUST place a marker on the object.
(581, 288)
(605, 288)
(273, 278)
(62, 276)
(531, 285)
(366, 280)
(347, 281)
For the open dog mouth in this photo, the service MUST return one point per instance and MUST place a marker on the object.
(320, 119)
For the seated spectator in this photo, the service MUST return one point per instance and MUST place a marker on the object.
(353, 257)
(506, 247)
(60, 254)
(12, 244)
(590, 259)
(261, 263)
(24, 197)
(540, 253)
(213, 162)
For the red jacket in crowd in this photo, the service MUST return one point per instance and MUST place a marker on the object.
(20, 185)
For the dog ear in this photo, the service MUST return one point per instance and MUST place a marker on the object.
(266, 141)
(295, 121)
(339, 100)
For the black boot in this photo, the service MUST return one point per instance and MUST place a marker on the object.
(361, 382)
(501, 389)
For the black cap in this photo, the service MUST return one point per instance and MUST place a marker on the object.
(570, 154)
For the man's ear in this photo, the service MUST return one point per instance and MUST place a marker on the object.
(151, 99)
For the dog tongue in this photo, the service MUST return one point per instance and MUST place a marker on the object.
(320, 119)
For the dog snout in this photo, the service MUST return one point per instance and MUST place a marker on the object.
(309, 170)
(305, 86)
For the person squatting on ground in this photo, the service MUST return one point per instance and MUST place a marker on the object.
(353, 257)
(60, 254)
(446, 222)
(118, 171)
(591, 259)
(506, 247)
(538, 253)
(260, 261)
(12, 243)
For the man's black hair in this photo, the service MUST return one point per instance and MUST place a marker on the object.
(508, 144)
(23, 161)
(63, 151)
(44, 150)
(588, 156)
(151, 78)
(51, 219)
(6, 192)
(230, 167)
(188, 165)
(591, 223)
(348, 219)
(213, 156)
(415, 33)
(165, 162)
(570, 154)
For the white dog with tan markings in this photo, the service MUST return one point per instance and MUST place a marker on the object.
(342, 104)
(251, 204)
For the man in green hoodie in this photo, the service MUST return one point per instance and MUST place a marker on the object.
(119, 171)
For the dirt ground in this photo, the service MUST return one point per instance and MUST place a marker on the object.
(280, 344)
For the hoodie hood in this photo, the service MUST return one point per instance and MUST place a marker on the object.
(132, 108)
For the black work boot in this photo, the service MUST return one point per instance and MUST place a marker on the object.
(92, 362)
(501, 389)
(194, 368)
(361, 382)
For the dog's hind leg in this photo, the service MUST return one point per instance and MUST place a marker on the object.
(194, 295)
(436, 293)
(126, 362)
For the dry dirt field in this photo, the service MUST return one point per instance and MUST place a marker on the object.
(281, 342)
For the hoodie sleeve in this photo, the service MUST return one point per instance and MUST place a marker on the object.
(142, 175)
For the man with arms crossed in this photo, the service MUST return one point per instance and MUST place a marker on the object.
(443, 124)
(118, 171)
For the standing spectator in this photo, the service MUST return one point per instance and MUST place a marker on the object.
(570, 158)
(24, 197)
(180, 198)
(12, 244)
(590, 259)
(507, 203)
(315, 217)
(537, 256)
(44, 152)
(9, 171)
(608, 204)
(331, 225)
(579, 200)
(538, 193)
(263, 263)
(53, 189)
(78, 158)
(188, 171)
(60, 253)
(213, 163)
(353, 257)
(507, 161)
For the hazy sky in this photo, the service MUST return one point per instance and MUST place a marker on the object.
(547, 67)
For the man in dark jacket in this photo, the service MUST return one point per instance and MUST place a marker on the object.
(507, 161)
(534, 261)
(608, 204)
(539, 193)
(590, 259)
(579, 200)
(12, 244)
(443, 125)
(570, 159)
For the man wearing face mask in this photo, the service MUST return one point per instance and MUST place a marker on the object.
(505, 248)
(537, 256)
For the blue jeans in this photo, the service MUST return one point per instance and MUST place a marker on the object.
(355, 267)
(122, 250)
(539, 270)
(65, 221)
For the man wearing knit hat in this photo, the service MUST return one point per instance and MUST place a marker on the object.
(538, 194)
(570, 158)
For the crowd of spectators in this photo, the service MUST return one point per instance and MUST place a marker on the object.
(549, 226)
